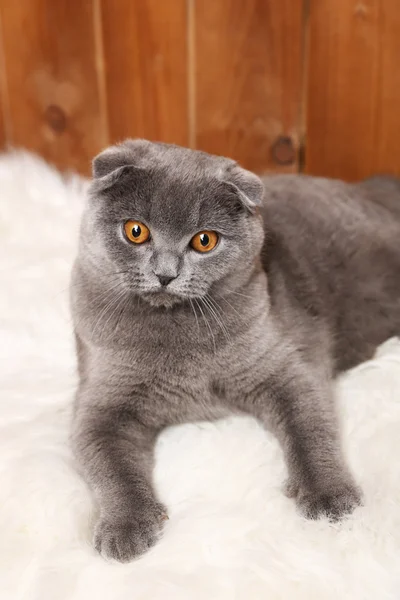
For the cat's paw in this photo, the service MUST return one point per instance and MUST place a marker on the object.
(124, 539)
(333, 503)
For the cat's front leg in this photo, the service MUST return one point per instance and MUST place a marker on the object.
(299, 406)
(115, 453)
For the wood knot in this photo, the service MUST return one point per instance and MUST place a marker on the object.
(56, 118)
(283, 151)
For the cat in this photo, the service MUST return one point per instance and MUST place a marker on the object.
(200, 291)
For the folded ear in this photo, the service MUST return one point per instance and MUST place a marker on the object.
(108, 161)
(112, 163)
(247, 186)
(129, 152)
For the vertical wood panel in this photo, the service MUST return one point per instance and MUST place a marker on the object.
(3, 138)
(2, 131)
(387, 156)
(248, 78)
(353, 116)
(4, 104)
(145, 49)
(49, 55)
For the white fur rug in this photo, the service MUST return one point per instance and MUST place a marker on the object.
(232, 534)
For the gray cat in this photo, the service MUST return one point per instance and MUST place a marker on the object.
(199, 292)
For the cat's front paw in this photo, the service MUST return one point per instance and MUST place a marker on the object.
(124, 539)
(333, 503)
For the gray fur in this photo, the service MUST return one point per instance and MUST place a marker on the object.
(304, 286)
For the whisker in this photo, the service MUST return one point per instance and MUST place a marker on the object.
(195, 314)
(239, 294)
(109, 306)
(217, 316)
(108, 294)
(115, 284)
(119, 302)
(123, 309)
(207, 323)
(232, 307)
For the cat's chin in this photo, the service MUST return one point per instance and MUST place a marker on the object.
(162, 299)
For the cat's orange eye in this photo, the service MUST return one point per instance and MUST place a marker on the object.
(204, 241)
(136, 232)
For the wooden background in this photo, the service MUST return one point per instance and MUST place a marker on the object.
(280, 85)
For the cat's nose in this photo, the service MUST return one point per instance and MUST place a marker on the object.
(165, 279)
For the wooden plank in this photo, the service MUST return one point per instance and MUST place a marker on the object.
(3, 137)
(145, 51)
(50, 64)
(388, 121)
(4, 105)
(2, 132)
(353, 117)
(248, 80)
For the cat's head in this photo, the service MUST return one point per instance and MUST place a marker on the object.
(171, 223)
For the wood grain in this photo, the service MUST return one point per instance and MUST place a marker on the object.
(145, 51)
(248, 78)
(353, 116)
(50, 67)
(4, 104)
(2, 130)
(3, 137)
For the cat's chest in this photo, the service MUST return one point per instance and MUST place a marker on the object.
(203, 383)
(172, 386)
(195, 358)
(179, 388)
(192, 376)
